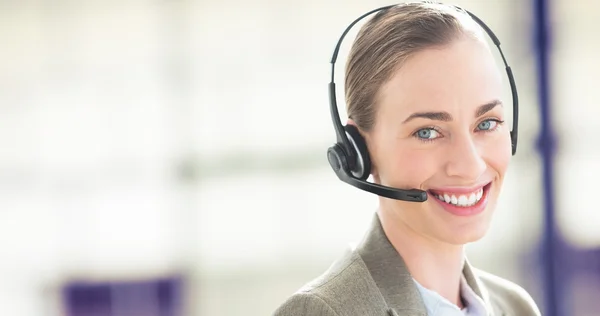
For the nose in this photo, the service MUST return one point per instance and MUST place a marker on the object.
(465, 160)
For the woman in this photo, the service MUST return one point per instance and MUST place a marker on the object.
(423, 91)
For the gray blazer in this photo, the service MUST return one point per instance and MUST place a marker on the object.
(373, 280)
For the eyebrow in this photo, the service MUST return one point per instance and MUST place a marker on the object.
(446, 117)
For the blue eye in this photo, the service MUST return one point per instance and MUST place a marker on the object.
(427, 134)
(487, 125)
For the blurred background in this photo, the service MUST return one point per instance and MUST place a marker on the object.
(168, 157)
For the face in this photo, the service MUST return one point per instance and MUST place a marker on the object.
(440, 127)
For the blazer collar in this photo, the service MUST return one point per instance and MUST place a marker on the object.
(390, 273)
(477, 286)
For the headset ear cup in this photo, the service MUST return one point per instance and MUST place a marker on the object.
(362, 166)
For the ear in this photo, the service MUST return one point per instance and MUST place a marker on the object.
(368, 138)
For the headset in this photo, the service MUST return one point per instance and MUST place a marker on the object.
(349, 157)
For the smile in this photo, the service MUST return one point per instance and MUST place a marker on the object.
(464, 200)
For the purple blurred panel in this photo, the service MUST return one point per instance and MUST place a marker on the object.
(87, 299)
(161, 297)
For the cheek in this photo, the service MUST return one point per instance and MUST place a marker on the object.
(407, 168)
(498, 155)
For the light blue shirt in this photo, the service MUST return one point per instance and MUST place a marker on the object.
(437, 305)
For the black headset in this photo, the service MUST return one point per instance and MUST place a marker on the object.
(349, 157)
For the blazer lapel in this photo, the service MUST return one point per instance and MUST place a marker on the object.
(390, 273)
(477, 287)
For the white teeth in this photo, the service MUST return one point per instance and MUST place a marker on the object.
(472, 198)
(463, 200)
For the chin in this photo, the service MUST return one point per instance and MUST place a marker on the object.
(468, 233)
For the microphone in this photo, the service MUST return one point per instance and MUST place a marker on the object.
(338, 162)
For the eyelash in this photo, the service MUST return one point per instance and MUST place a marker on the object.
(415, 134)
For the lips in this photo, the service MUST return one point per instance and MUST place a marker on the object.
(462, 201)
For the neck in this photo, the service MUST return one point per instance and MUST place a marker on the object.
(435, 265)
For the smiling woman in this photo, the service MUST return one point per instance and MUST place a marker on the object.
(458, 145)
(424, 93)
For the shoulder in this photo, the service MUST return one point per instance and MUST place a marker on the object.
(507, 295)
(344, 288)
(305, 303)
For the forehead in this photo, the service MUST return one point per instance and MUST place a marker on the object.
(460, 76)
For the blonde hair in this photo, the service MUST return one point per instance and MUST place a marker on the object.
(387, 40)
